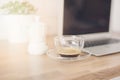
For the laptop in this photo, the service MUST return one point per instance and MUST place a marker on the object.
(89, 19)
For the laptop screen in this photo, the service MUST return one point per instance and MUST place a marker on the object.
(86, 16)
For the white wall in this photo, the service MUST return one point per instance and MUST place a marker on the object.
(47, 9)
(115, 16)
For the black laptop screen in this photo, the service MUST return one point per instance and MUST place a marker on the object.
(86, 16)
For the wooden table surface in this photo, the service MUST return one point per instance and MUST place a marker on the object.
(17, 64)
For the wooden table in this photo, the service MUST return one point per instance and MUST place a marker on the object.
(17, 64)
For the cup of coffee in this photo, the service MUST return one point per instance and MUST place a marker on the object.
(69, 46)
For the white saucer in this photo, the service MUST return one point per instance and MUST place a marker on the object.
(53, 54)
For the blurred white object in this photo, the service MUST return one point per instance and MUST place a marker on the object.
(17, 26)
(37, 48)
(116, 78)
(37, 32)
(37, 43)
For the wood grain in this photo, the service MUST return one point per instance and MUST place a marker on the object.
(17, 64)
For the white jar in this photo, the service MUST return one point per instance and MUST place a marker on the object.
(37, 43)
(37, 48)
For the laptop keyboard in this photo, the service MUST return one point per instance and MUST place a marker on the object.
(100, 42)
